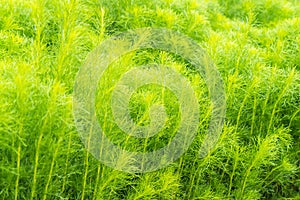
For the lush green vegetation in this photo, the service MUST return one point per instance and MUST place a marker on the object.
(255, 45)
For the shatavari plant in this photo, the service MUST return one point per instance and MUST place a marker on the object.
(254, 44)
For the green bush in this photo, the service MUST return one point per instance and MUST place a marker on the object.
(254, 44)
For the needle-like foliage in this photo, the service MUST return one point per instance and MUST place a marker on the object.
(255, 44)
